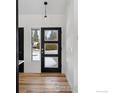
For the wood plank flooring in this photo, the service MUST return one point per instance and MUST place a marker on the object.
(43, 83)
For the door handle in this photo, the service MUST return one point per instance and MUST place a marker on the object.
(42, 50)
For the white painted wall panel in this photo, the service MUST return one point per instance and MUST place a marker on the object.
(72, 45)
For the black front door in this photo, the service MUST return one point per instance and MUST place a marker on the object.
(51, 49)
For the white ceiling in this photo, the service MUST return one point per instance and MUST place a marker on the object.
(31, 7)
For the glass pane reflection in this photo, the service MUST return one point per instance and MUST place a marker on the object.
(51, 62)
(51, 35)
(51, 48)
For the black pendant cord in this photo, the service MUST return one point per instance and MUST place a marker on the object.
(45, 12)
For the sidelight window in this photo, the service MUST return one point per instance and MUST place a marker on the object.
(35, 44)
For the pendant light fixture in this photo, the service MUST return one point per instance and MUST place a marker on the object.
(45, 3)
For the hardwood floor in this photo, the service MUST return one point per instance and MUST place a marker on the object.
(43, 83)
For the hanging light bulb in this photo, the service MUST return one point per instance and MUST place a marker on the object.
(45, 3)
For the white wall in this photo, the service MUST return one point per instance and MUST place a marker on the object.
(72, 45)
(76, 46)
(37, 21)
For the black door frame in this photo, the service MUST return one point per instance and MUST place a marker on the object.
(43, 69)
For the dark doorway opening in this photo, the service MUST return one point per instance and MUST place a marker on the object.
(21, 43)
(21, 49)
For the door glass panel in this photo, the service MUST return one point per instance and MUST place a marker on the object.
(51, 48)
(51, 35)
(51, 62)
